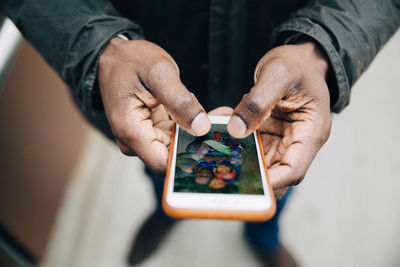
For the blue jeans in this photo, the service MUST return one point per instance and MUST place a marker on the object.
(264, 235)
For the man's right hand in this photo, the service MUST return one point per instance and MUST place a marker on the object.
(141, 91)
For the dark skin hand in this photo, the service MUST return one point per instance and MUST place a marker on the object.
(289, 103)
(141, 89)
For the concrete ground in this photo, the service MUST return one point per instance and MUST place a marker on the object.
(345, 213)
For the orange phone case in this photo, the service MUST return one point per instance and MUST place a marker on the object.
(180, 213)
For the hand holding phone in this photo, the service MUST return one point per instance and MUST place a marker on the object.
(217, 176)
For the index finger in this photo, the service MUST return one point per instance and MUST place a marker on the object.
(163, 81)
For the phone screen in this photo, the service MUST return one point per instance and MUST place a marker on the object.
(217, 163)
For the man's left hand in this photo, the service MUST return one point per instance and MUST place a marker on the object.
(290, 105)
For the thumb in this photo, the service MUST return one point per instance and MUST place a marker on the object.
(272, 83)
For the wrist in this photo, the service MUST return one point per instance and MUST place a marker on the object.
(317, 58)
(314, 54)
(112, 47)
(112, 55)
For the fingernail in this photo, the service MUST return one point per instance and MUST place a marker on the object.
(201, 124)
(237, 127)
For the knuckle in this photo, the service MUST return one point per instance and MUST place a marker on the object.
(126, 150)
(255, 105)
(161, 67)
(158, 170)
(297, 175)
(183, 102)
(279, 193)
(279, 65)
(298, 180)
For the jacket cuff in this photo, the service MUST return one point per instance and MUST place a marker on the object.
(91, 98)
(339, 87)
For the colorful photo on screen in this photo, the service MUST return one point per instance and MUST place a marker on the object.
(217, 163)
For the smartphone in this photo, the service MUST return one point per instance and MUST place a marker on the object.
(216, 176)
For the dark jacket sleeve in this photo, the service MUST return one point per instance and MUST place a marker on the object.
(350, 31)
(70, 35)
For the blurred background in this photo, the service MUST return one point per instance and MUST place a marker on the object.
(68, 197)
